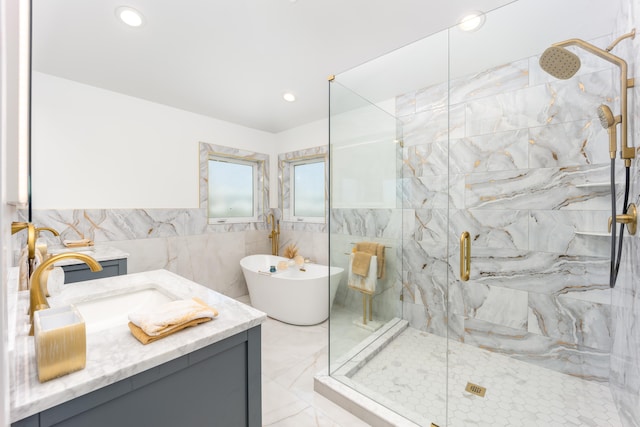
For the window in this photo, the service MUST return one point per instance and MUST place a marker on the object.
(234, 187)
(303, 187)
(308, 192)
(233, 190)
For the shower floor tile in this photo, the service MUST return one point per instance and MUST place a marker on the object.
(410, 375)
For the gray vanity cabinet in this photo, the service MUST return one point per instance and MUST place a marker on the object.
(81, 272)
(218, 385)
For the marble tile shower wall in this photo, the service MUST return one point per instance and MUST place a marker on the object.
(527, 158)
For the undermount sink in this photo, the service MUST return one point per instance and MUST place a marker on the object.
(108, 311)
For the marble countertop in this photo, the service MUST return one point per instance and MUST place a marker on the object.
(114, 354)
(98, 252)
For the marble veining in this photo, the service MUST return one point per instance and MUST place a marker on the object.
(106, 366)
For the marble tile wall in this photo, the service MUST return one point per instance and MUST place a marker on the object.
(179, 241)
(522, 168)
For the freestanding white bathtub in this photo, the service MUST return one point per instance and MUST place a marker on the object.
(291, 295)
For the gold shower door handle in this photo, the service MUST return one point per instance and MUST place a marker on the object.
(465, 256)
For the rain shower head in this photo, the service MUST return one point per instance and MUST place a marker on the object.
(563, 64)
(559, 62)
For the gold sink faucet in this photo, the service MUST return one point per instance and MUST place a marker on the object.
(32, 237)
(52, 230)
(275, 233)
(38, 301)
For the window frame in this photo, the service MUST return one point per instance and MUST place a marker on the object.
(285, 162)
(254, 190)
(292, 193)
(260, 182)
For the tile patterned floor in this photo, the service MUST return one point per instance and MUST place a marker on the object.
(291, 356)
(410, 372)
(518, 394)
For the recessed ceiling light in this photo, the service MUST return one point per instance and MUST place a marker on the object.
(289, 97)
(130, 16)
(472, 21)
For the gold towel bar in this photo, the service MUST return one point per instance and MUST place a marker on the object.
(353, 243)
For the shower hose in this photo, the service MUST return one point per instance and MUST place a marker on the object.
(616, 252)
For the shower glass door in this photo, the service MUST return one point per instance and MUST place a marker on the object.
(389, 185)
(530, 330)
(364, 153)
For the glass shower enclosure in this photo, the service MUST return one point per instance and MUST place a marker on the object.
(486, 182)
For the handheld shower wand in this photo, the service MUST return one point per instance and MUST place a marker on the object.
(609, 122)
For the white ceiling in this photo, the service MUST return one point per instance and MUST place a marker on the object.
(232, 59)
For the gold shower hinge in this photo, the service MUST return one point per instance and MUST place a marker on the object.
(631, 82)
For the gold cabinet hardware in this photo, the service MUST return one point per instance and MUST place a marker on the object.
(630, 218)
(465, 256)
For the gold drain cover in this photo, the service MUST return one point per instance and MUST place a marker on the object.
(475, 389)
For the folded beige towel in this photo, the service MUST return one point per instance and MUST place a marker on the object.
(171, 315)
(366, 283)
(146, 339)
(360, 262)
(376, 249)
(53, 278)
(77, 243)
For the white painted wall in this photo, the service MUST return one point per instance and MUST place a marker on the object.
(310, 135)
(95, 148)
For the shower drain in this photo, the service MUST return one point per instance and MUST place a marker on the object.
(475, 389)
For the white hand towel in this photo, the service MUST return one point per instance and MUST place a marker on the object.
(55, 281)
(366, 284)
(23, 264)
(173, 313)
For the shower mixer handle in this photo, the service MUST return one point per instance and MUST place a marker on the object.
(630, 219)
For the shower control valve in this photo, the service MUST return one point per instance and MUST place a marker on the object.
(630, 218)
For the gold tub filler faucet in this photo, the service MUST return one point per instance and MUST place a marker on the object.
(275, 233)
